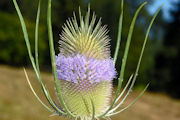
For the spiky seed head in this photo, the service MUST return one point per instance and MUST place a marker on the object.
(88, 39)
(84, 66)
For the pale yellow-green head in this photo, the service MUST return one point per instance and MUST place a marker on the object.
(84, 66)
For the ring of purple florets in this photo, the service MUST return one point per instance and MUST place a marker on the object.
(78, 68)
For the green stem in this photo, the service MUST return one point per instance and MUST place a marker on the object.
(119, 33)
(52, 53)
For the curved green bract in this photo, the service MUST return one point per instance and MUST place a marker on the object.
(124, 58)
(47, 95)
(36, 36)
(137, 68)
(27, 78)
(132, 103)
(91, 104)
(119, 33)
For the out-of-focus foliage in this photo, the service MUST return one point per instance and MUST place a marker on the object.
(12, 46)
(62, 10)
(163, 73)
(168, 60)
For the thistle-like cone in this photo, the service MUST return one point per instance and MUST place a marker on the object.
(84, 66)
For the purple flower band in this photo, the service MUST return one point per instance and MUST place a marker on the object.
(79, 68)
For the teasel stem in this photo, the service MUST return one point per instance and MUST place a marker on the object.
(52, 53)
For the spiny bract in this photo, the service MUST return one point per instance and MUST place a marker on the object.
(83, 70)
(84, 66)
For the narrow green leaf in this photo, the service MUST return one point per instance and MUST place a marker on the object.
(127, 47)
(145, 41)
(30, 53)
(24, 30)
(36, 35)
(119, 33)
(125, 88)
(125, 97)
(124, 59)
(58, 111)
(52, 53)
(139, 62)
(27, 78)
(132, 103)
(54, 105)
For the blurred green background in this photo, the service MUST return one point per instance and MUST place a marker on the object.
(160, 65)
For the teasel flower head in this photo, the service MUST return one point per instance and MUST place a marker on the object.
(83, 70)
(84, 66)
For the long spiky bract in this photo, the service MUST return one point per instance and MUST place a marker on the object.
(36, 35)
(129, 105)
(120, 79)
(52, 53)
(29, 83)
(47, 95)
(136, 72)
(124, 89)
(84, 93)
(119, 33)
